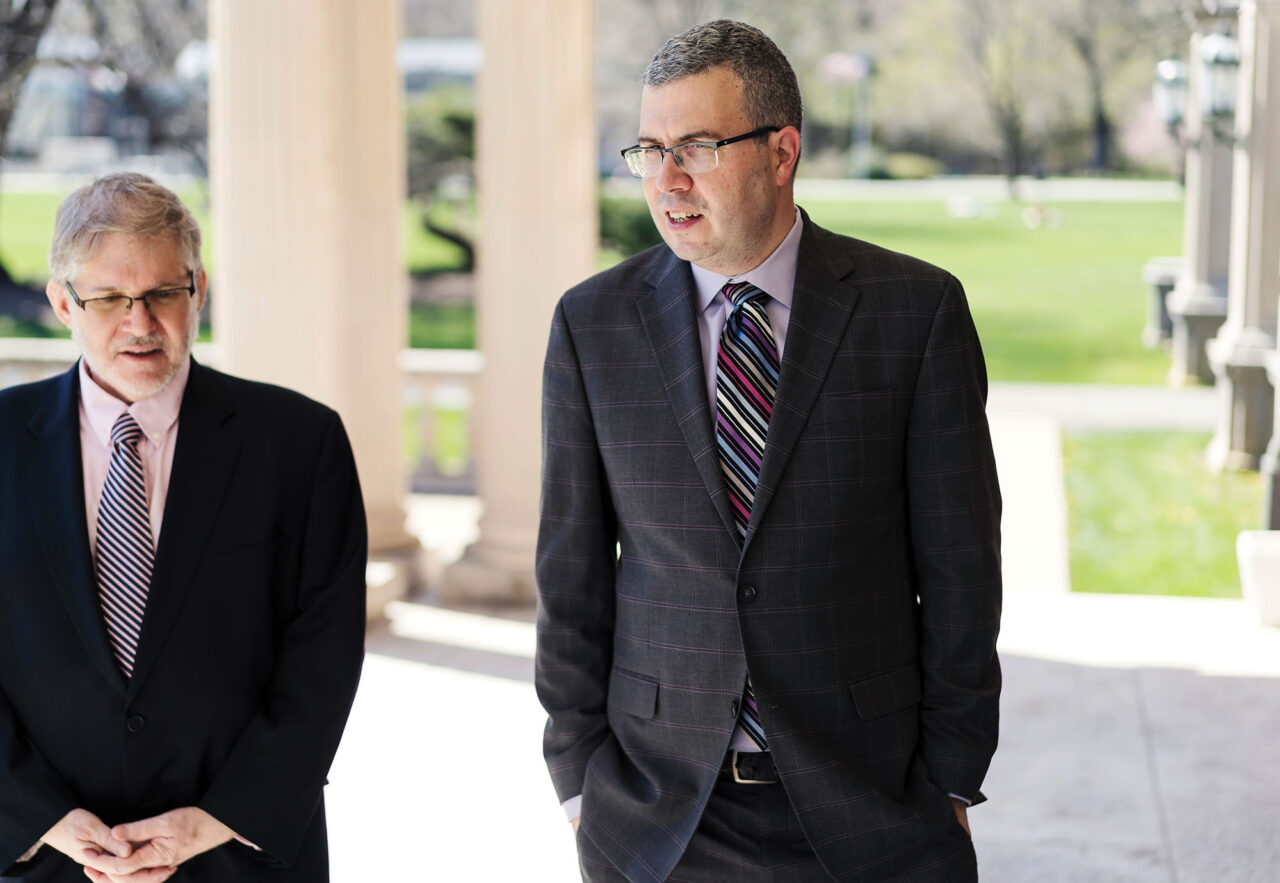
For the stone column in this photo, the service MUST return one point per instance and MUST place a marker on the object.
(307, 185)
(536, 157)
(1238, 354)
(1270, 465)
(1198, 303)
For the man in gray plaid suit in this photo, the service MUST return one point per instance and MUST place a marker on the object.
(768, 562)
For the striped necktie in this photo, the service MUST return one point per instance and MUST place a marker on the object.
(746, 382)
(126, 553)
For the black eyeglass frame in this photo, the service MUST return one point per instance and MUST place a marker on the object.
(146, 303)
(714, 145)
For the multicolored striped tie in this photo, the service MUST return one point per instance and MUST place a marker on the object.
(126, 552)
(746, 383)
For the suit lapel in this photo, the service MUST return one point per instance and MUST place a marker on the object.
(203, 460)
(55, 491)
(820, 310)
(672, 328)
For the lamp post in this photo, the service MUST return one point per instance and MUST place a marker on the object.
(1169, 93)
(856, 69)
(1198, 303)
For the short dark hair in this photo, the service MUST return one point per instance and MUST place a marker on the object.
(769, 84)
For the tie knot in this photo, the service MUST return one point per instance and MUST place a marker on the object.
(742, 293)
(126, 431)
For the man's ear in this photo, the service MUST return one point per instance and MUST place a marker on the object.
(786, 153)
(60, 300)
(202, 288)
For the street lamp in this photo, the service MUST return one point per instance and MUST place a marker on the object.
(1219, 71)
(1169, 92)
(1218, 67)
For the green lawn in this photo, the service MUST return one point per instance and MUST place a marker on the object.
(1052, 305)
(1145, 516)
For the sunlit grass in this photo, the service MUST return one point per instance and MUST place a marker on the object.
(1146, 516)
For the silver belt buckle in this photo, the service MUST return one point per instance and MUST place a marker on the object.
(740, 780)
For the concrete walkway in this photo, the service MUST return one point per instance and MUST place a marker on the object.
(1140, 738)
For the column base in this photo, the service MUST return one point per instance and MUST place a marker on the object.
(1197, 312)
(1161, 275)
(488, 574)
(388, 579)
(1270, 469)
(1258, 557)
(1246, 401)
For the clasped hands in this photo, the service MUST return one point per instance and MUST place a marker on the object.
(146, 851)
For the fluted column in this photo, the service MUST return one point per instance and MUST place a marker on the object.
(1198, 303)
(1239, 353)
(537, 169)
(307, 182)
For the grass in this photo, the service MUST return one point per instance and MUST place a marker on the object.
(442, 325)
(1054, 305)
(1061, 305)
(1147, 517)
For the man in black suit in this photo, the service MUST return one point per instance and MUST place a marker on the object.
(768, 561)
(182, 560)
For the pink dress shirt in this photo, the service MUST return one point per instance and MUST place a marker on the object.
(157, 415)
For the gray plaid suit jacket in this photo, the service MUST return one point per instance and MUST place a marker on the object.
(865, 598)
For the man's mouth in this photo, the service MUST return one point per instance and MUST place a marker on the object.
(681, 219)
(141, 353)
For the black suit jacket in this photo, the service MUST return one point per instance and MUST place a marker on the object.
(864, 600)
(250, 649)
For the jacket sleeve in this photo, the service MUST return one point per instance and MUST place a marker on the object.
(270, 784)
(576, 568)
(954, 506)
(33, 797)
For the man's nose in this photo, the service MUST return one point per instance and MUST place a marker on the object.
(139, 317)
(671, 176)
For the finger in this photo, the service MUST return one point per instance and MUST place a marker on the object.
(142, 859)
(99, 835)
(150, 875)
(136, 832)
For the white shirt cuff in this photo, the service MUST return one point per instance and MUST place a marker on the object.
(572, 807)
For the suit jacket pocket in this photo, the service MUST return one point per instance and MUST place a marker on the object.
(632, 694)
(886, 693)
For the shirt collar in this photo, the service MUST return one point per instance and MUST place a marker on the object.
(155, 414)
(776, 275)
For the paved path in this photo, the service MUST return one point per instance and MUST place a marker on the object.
(1140, 736)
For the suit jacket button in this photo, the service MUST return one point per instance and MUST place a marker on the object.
(135, 723)
(747, 594)
(733, 709)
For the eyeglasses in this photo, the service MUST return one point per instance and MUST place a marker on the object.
(162, 300)
(692, 156)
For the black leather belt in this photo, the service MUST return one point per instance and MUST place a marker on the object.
(751, 767)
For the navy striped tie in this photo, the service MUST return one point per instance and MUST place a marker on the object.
(126, 552)
(746, 383)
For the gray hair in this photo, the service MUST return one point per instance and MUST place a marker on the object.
(769, 84)
(128, 203)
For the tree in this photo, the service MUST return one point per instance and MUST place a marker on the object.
(141, 39)
(440, 127)
(22, 24)
(1104, 36)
